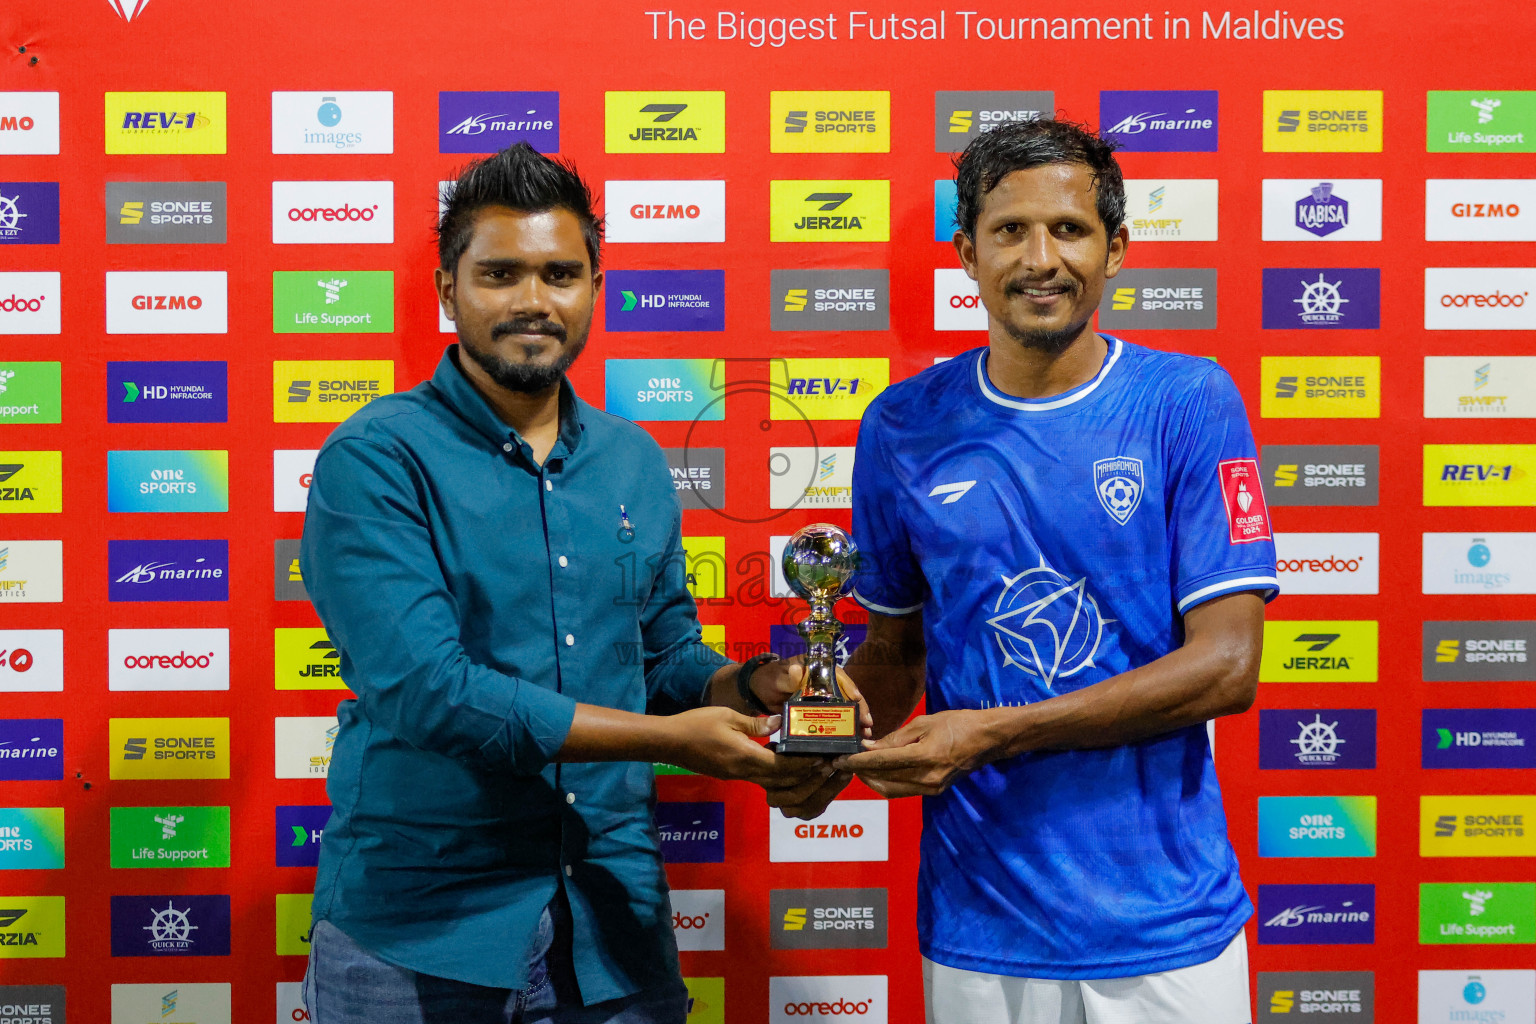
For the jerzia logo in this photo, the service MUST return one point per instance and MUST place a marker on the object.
(830, 211)
(664, 122)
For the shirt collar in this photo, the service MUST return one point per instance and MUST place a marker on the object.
(1076, 394)
(460, 395)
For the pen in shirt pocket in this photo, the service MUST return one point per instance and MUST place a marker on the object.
(626, 528)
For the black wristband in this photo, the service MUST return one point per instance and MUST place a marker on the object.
(744, 682)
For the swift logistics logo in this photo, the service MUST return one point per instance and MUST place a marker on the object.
(850, 830)
(665, 300)
(1307, 915)
(828, 389)
(1349, 995)
(167, 659)
(1479, 298)
(31, 660)
(166, 212)
(488, 122)
(810, 477)
(31, 749)
(1479, 652)
(182, 1003)
(1483, 563)
(165, 122)
(829, 122)
(1319, 652)
(1172, 209)
(698, 918)
(1317, 826)
(664, 211)
(829, 300)
(827, 918)
(29, 302)
(1322, 297)
(1480, 210)
(1477, 826)
(1322, 121)
(31, 481)
(333, 122)
(1321, 387)
(31, 927)
(170, 837)
(1160, 300)
(168, 570)
(843, 210)
(298, 830)
(167, 302)
(1459, 913)
(1309, 738)
(31, 838)
(327, 391)
(30, 392)
(333, 301)
(29, 213)
(31, 571)
(168, 748)
(170, 926)
(1479, 738)
(1321, 474)
(193, 392)
(1309, 210)
(663, 389)
(333, 212)
(959, 117)
(692, 832)
(29, 123)
(1166, 121)
(1498, 121)
(1482, 387)
(168, 481)
(1480, 475)
(664, 122)
(304, 658)
(302, 746)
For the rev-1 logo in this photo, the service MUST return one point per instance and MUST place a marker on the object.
(824, 385)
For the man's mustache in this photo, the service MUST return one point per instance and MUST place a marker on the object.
(548, 327)
(1018, 287)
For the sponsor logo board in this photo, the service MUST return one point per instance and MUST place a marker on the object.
(1483, 563)
(32, 571)
(168, 748)
(828, 999)
(1322, 474)
(168, 570)
(333, 212)
(698, 475)
(1488, 997)
(1348, 995)
(31, 481)
(692, 832)
(1306, 915)
(1321, 387)
(1311, 738)
(946, 202)
(299, 830)
(32, 1004)
(1479, 298)
(170, 925)
(168, 659)
(31, 660)
(333, 122)
(664, 211)
(1319, 652)
(31, 749)
(293, 923)
(181, 1003)
(1310, 210)
(167, 392)
(31, 927)
(165, 122)
(827, 918)
(1479, 652)
(30, 392)
(663, 389)
(1499, 121)
(1479, 474)
(827, 389)
(333, 301)
(1309, 298)
(304, 658)
(704, 560)
(29, 123)
(167, 302)
(1481, 387)
(166, 212)
(843, 210)
(1479, 738)
(290, 1003)
(29, 213)
(303, 746)
(488, 122)
(957, 302)
(1328, 563)
(1317, 826)
(810, 477)
(664, 300)
(1171, 209)
(1160, 121)
(850, 830)
(698, 919)
(706, 1000)
(168, 481)
(1322, 121)
(664, 122)
(1160, 300)
(1480, 210)
(170, 837)
(1477, 826)
(830, 300)
(287, 577)
(31, 838)
(829, 122)
(958, 117)
(30, 302)
(327, 391)
(1462, 913)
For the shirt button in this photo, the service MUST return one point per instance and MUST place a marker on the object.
(570, 798)
(570, 641)
(567, 871)
(507, 447)
(549, 485)
(563, 562)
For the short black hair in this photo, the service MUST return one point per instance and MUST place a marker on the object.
(1020, 145)
(519, 178)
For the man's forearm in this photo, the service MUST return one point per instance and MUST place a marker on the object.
(608, 734)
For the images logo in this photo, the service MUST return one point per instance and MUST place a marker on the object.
(850, 830)
(1486, 563)
(1322, 387)
(829, 122)
(167, 392)
(1479, 386)
(663, 389)
(170, 925)
(31, 838)
(31, 660)
(829, 211)
(1480, 913)
(169, 748)
(166, 212)
(1328, 297)
(1160, 122)
(1479, 738)
(698, 918)
(958, 117)
(167, 302)
(303, 746)
(333, 301)
(691, 832)
(1477, 826)
(1479, 298)
(1479, 651)
(664, 122)
(31, 571)
(1317, 826)
(29, 123)
(298, 830)
(1296, 915)
(664, 211)
(488, 122)
(1172, 209)
(1489, 997)
(1301, 121)
(29, 302)
(828, 999)
(170, 837)
(1308, 738)
(1350, 995)
(1336, 474)
(336, 122)
(830, 300)
(29, 213)
(31, 927)
(327, 391)
(827, 389)
(168, 481)
(306, 659)
(810, 477)
(1308, 210)
(31, 482)
(1160, 300)
(1481, 122)
(168, 570)
(168, 659)
(165, 122)
(665, 300)
(1479, 475)
(333, 212)
(827, 918)
(1318, 652)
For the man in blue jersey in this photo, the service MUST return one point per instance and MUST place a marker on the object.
(1068, 552)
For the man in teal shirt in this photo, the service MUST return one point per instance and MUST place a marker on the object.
(500, 567)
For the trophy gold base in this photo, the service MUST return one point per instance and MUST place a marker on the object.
(819, 727)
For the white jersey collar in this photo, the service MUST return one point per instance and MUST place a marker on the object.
(1077, 394)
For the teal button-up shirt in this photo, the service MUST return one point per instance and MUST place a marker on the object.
(475, 597)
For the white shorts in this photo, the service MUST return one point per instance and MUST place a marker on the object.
(1215, 992)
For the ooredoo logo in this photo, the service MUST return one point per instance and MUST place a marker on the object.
(168, 659)
(850, 830)
(29, 303)
(333, 212)
(859, 998)
(1479, 298)
(1328, 563)
(167, 302)
(698, 918)
(664, 211)
(957, 302)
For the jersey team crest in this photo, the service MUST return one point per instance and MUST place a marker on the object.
(1119, 482)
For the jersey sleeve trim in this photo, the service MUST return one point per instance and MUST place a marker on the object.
(1268, 584)
(882, 609)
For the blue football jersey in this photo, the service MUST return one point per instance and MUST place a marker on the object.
(1051, 544)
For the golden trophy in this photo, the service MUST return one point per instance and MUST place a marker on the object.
(819, 564)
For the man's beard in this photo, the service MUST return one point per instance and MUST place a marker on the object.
(527, 377)
(1051, 341)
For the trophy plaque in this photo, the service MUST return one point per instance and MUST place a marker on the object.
(819, 564)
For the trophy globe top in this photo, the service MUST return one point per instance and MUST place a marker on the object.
(820, 561)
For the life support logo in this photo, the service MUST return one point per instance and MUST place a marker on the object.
(1046, 624)
(1119, 483)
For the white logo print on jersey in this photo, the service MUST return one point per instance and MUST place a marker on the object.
(1046, 624)
(955, 491)
(1119, 482)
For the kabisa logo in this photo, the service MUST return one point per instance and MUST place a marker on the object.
(333, 122)
(1319, 652)
(1481, 122)
(304, 658)
(167, 392)
(664, 211)
(850, 830)
(1347, 995)
(829, 122)
(1291, 915)
(1317, 826)
(958, 117)
(1336, 738)
(1480, 210)
(170, 837)
(166, 212)
(1479, 475)
(169, 748)
(1301, 121)
(1242, 494)
(31, 927)
(299, 830)
(692, 832)
(29, 212)
(31, 748)
(333, 302)
(1330, 297)
(1047, 625)
(168, 481)
(827, 918)
(1320, 386)
(1160, 300)
(303, 746)
(1479, 651)
(31, 838)
(823, 999)
(810, 477)
(1322, 213)
(830, 211)
(1309, 210)
(170, 925)
(698, 918)
(488, 122)
(168, 570)
(1487, 563)
(1479, 913)
(1119, 482)
(327, 391)
(29, 123)
(31, 481)
(827, 389)
(165, 122)
(1339, 474)
(29, 302)
(1479, 298)
(168, 659)
(1172, 209)
(1160, 121)
(167, 302)
(1477, 826)
(664, 389)
(665, 300)
(664, 122)
(1479, 738)
(31, 660)
(829, 300)
(30, 392)
(333, 212)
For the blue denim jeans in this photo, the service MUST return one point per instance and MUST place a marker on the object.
(346, 984)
